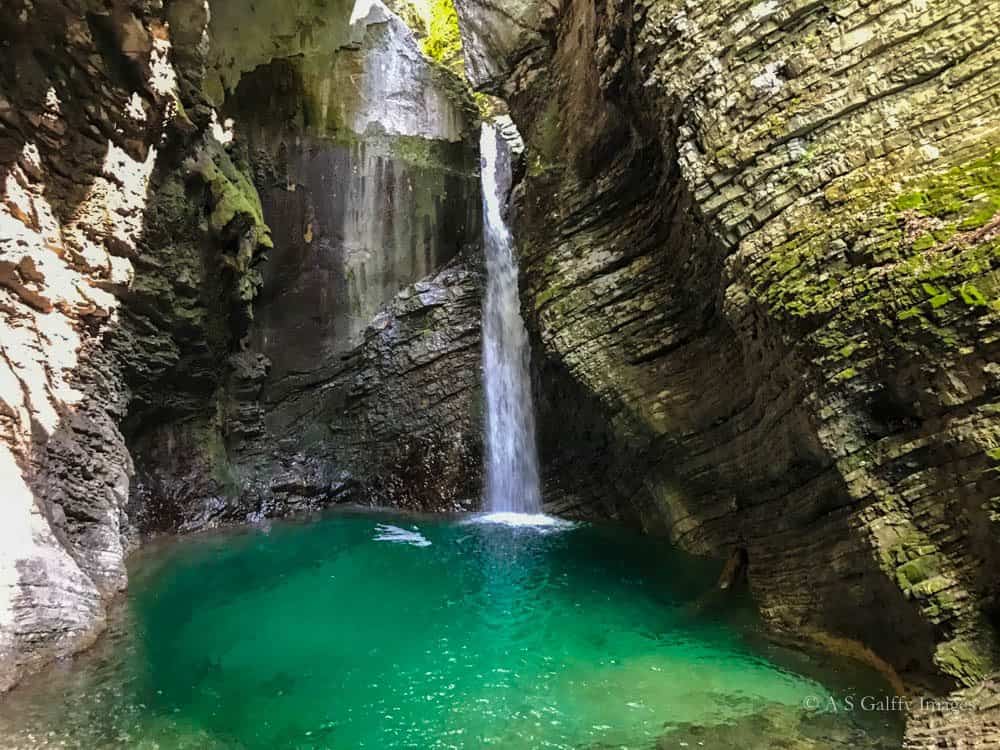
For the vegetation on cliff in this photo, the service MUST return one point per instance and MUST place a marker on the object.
(443, 43)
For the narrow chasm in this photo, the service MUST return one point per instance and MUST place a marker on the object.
(463, 374)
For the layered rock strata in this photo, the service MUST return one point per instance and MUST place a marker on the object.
(763, 239)
(102, 146)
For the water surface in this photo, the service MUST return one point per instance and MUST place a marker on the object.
(386, 631)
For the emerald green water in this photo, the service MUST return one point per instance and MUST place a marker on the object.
(438, 633)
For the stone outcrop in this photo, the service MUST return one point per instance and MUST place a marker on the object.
(968, 718)
(762, 241)
(393, 420)
(397, 417)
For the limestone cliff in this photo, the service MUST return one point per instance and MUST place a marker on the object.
(103, 150)
(764, 239)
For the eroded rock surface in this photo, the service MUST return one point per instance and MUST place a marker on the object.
(968, 718)
(102, 145)
(763, 239)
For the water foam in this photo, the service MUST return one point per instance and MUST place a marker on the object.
(387, 533)
(532, 520)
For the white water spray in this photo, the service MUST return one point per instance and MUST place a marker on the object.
(511, 455)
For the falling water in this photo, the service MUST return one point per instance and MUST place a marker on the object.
(511, 456)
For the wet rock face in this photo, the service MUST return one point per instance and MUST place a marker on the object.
(359, 208)
(764, 241)
(495, 36)
(96, 306)
(369, 183)
(394, 420)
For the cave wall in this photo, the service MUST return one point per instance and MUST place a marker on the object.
(763, 241)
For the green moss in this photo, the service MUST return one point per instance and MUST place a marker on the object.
(891, 284)
(235, 217)
(430, 154)
(962, 659)
(928, 588)
(233, 196)
(970, 192)
(944, 234)
(443, 43)
(545, 296)
(917, 571)
(940, 300)
(911, 200)
(982, 215)
(971, 295)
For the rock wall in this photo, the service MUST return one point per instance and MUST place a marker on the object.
(360, 151)
(118, 207)
(763, 239)
(159, 373)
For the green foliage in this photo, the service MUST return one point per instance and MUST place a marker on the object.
(486, 105)
(444, 42)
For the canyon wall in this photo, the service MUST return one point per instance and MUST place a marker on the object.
(102, 148)
(169, 361)
(363, 155)
(760, 243)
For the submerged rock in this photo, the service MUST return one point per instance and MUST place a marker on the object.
(776, 727)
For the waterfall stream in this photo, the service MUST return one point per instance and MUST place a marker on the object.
(511, 455)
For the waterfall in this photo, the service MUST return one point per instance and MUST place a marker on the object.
(511, 456)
